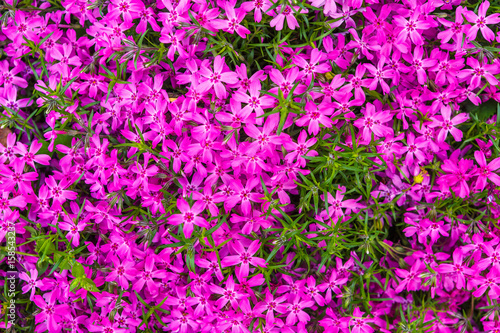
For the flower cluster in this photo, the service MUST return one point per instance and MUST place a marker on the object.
(251, 166)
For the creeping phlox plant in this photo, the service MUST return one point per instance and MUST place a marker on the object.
(250, 166)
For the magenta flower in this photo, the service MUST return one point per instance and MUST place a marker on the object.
(332, 285)
(480, 22)
(300, 149)
(448, 125)
(419, 65)
(372, 123)
(50, 312)
(58, 192)
(188, 216)
(8, 77)
(257, 6)
(455, 29)
(175, 40)
(129, 9)
(360, 324)
(313, 65)
(243, 194)
(296, 311)
(32, 282)
(411, 28)
(458, 269)
(435, 229)
(216, 77)
(244, 257)
(411, 280)
(73, 229)
(492, 258)
(489, 282)
(23, 27)
(210, 199)
(122, 272)
(316, 115)
(380, 73)
(364, 46)
(286, 84)
(18, 177)
(333, 323)
(182, 319)
(254, 102)
(147, 274)
(486, 171)
(286, 12)
(105, 326)
(415, 148)
(271, 304)
(479, 70)
(232, 24)
(336, 205)
(229, 294)
(312, 291)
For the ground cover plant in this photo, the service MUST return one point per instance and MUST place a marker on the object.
(249, 166)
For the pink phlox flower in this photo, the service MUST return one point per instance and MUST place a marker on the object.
(257, 6)
(255, 102)
(491, 282)
(296, 311)
(364, 46)
(435, 229)
(478, 71)
(419, 65)
(123, 271)
(333, 323)
(415, 148)
(411, 280)
(378, 23)
(486, 171)
(8, 77)
(243, 195)
(73, 229)
(332, 285)
(458, 268)
(210, 199)
(316, 115)
(239, 115)
(175, 39)
(313, 292)
(229, 294)
(232, 24)
(50, 312)
(372, 122)
(129, 9)
(448, 125)
(379, 74)
(338, 207)
(360, 324)
(492, 258)
(286, 12)
(300, 149)
(244, 257)
(314, 65)
(32, 282)
(188, 216)
(216, 77)
(481, 22)
(271, 304)
(457, 175)
(412, 27)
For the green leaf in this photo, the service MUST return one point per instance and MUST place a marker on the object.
(77, 270)
(88, 284)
